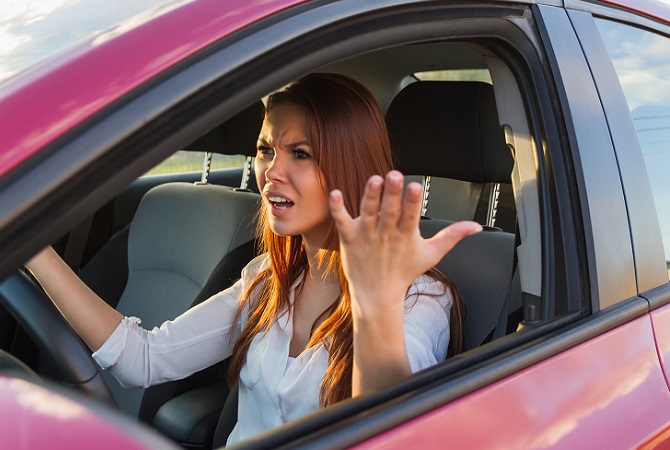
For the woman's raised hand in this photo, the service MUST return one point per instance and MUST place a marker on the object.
(382, 250)
(382, 253)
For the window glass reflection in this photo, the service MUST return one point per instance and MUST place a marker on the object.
(642, 63)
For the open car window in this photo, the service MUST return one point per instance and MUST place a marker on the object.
(533, 294)
(639, 60)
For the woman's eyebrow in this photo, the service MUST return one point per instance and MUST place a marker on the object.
(298, 143)
(263, 140)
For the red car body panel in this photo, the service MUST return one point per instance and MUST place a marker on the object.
(609, 386)
(42, 105)
(661, 322)
(32, 416)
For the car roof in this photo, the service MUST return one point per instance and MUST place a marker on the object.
(49, 99)
(658, 9)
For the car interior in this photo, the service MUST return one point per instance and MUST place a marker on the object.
(457, 124)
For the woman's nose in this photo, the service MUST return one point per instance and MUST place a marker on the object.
(275, 170)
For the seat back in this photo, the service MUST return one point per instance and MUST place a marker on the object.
(431, 120)
(177, 237)
(183, 244)
(481, 268)
(451, 130)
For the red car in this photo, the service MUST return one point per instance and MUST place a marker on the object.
(548, 122)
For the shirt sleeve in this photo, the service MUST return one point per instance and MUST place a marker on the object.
(202, 336)
(427, 313)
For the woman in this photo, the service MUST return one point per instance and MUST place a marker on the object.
(335, 306)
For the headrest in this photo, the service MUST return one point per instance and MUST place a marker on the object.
(236, 136)
(450, 130)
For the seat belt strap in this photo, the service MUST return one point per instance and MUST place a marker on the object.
(76, 243)
(501, 326)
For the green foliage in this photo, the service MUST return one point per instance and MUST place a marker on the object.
(183, 161)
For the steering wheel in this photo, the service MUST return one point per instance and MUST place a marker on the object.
(37, 314)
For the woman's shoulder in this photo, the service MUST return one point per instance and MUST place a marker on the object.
(431, 290)
(255, 266)
(426, 282)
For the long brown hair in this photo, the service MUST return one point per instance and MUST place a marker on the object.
(347, 132)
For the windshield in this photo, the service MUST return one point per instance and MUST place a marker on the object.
(33, 30)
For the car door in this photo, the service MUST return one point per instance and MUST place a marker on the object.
(591, 378)
(639, 50)
(605, 385)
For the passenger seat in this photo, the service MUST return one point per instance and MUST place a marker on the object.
(451, 130)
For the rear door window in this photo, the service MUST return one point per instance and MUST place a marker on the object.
(642, 63)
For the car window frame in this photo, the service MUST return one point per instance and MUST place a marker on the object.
(643, 220)
(608, 245)
(652, 280)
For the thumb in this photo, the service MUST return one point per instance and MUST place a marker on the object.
(448, 237)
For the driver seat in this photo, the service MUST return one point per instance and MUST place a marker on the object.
(185, 243)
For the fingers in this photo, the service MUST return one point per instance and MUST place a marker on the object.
(370, 203)
(343, 220)
(384, 212)
(391, 204)
(411, 208)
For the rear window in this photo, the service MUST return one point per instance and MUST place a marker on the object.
(455, 75)
(186, 161)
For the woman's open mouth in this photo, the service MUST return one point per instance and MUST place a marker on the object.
(280, 205)
(280, 202)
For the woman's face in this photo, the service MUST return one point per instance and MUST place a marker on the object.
(288, 178)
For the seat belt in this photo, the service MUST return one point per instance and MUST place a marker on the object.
(76, 243)
(91, 233)
(500, 329)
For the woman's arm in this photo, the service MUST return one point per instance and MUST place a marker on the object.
(91, 317)
(382, 254)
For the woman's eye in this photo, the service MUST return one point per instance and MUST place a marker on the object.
(265, 152)
(300, 154)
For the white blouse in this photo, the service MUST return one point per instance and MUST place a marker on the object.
(273, 388)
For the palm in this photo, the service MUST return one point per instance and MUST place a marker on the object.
(382, 250)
